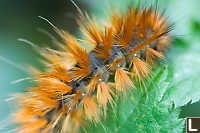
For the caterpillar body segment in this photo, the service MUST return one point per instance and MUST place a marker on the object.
(77, 86)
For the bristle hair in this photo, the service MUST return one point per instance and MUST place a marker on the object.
(77, 85)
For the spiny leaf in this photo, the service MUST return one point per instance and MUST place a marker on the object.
(186, 80)
(137, 113)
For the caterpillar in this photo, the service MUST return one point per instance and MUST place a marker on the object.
(80, 84)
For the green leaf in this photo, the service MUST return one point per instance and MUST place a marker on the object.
(185, 61)
(139, 113)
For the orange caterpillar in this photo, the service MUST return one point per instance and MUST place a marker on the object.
(77, 87)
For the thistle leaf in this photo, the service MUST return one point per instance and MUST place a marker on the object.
(186, 81)
(138, 113)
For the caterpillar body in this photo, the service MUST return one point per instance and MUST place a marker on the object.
(78, 86)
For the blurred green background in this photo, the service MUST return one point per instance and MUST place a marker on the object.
(19, 19)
